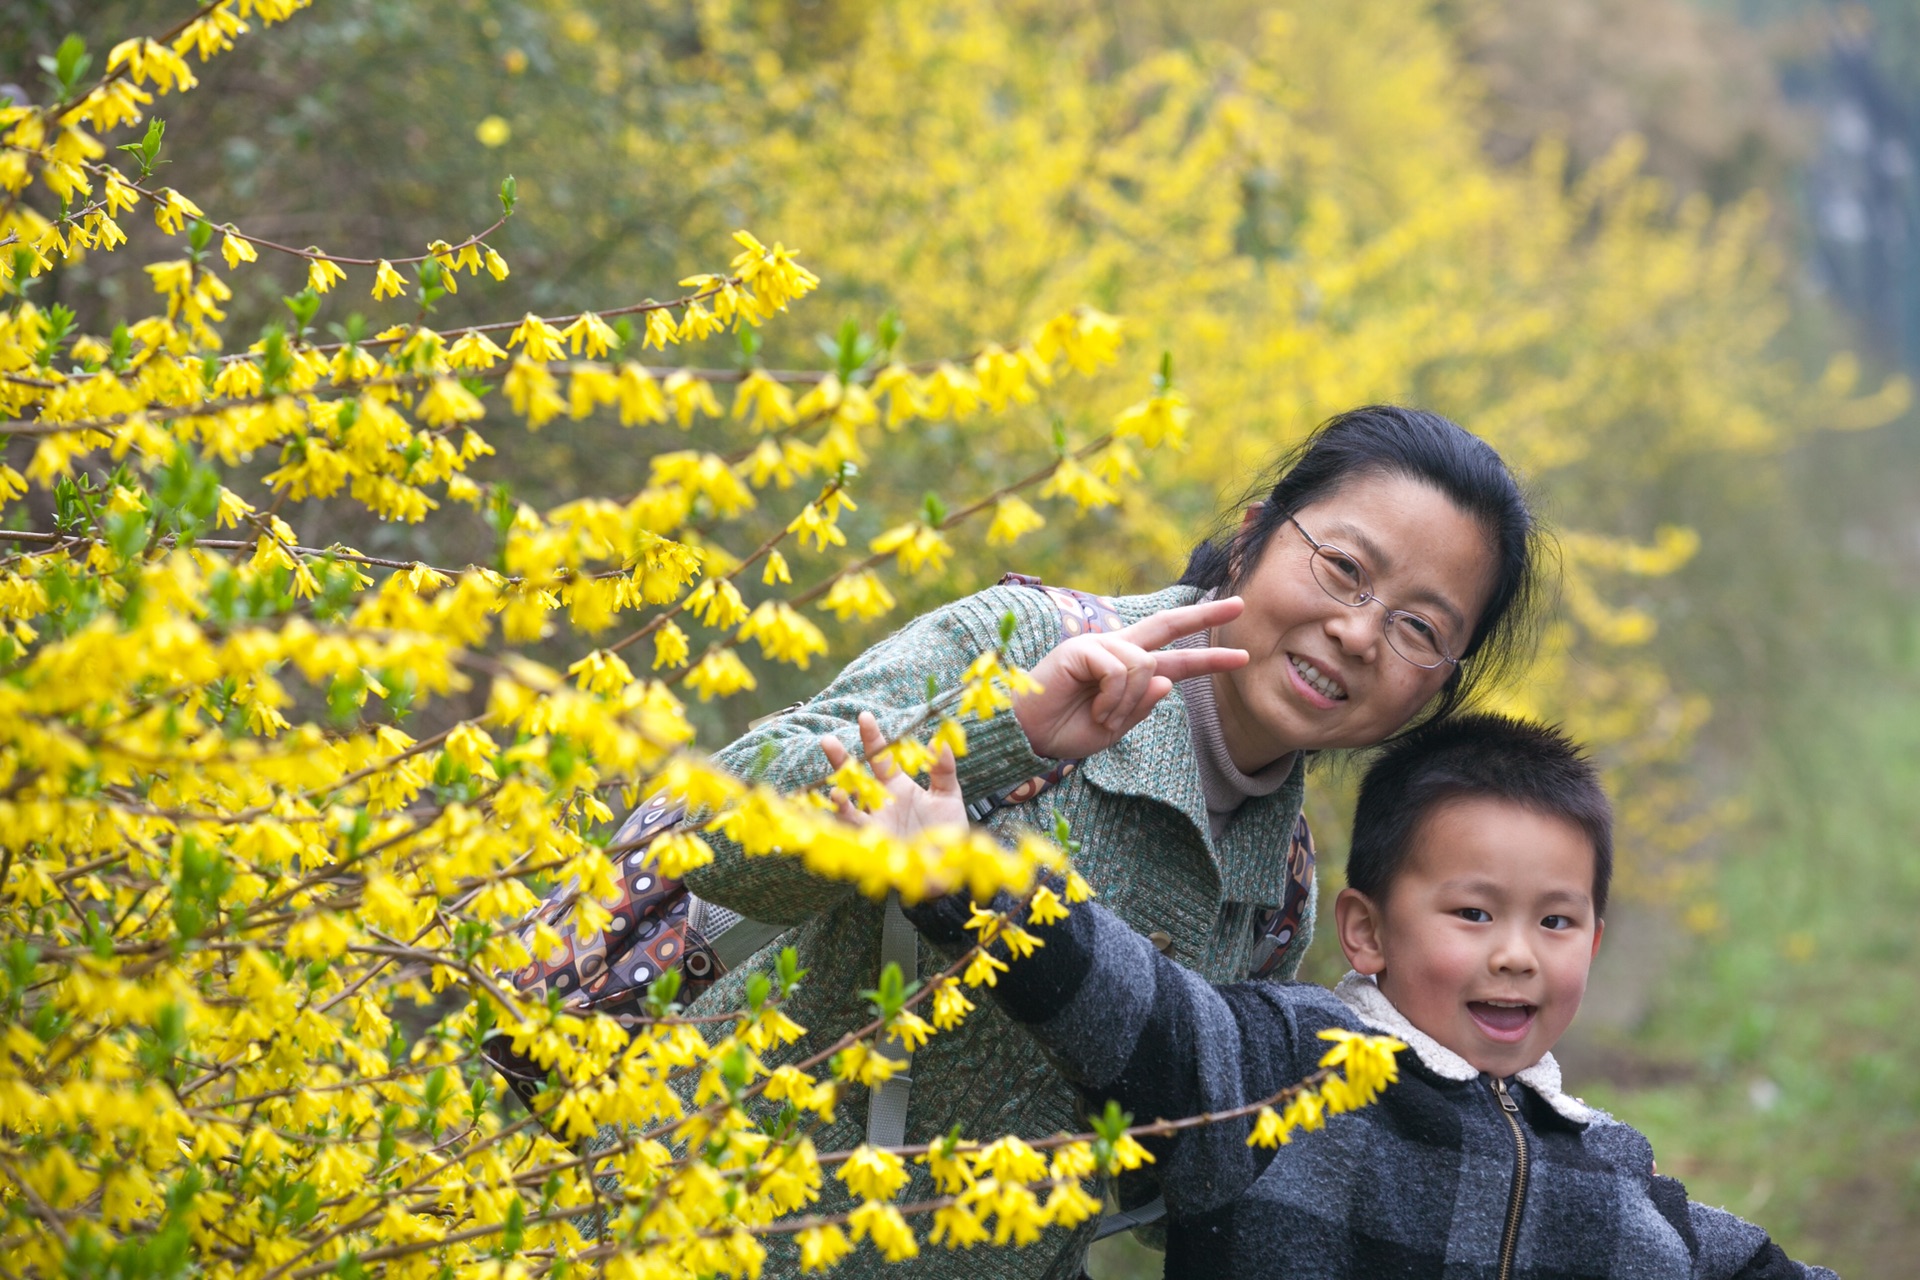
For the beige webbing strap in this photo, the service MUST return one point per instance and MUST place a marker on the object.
(887, 1113)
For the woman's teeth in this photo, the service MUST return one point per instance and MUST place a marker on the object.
(1318, 679)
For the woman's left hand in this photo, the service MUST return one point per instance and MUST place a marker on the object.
(910, 808)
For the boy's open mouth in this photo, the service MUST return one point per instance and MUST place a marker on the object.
(1501, 1019)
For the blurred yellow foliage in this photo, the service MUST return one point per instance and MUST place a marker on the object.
(1305, 220)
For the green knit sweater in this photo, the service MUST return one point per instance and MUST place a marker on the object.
(1140, 816)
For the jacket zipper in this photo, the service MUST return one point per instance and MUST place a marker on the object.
(1516, 1202)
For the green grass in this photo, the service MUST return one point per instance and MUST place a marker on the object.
(1786, 1041)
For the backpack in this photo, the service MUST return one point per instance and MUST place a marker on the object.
(659, 924)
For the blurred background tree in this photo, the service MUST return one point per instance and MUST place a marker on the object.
(1629, 241)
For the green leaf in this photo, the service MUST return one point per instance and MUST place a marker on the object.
(68, 63)
(304, 305)
(1112, 1123)
(762, 761)
(661, 993)
(147, 150)
(353, 332)
(893, 992)
(891, 330)
(787, 971)
(514, 1229)
(509, 194)
(20, 961)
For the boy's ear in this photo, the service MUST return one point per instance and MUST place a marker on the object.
(1599, 928)
(1361, 926)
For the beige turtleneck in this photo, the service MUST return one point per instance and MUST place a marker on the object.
(1221, 781)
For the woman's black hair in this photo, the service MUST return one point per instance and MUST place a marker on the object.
(1389, 440)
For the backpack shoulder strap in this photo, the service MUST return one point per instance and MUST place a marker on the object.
(1276, 928)
(1081, 612)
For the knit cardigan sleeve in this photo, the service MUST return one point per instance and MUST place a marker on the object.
(1123, 1022)
(890, 680)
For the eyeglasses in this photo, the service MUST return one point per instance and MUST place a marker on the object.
(1346, 580)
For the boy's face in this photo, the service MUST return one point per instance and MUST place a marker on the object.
(1487, 932)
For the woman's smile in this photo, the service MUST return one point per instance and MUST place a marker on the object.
(1319, 687)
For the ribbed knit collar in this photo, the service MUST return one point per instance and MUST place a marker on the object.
(1363, 995)
(1226, 787)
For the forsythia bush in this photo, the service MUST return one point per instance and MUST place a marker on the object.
(251, 922)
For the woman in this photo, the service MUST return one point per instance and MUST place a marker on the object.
(1387, 571)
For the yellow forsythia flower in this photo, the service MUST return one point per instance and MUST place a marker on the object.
(1011, 518)
(323, 273)
(387, 283)
(236, 250)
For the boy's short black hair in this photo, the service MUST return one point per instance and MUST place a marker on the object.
(1486, 756)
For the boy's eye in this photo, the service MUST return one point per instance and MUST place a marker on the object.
(1475, 914)
(1558, 922)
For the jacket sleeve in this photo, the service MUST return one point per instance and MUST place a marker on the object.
(1731, 1248)
(1123, 1022)
(890, 680)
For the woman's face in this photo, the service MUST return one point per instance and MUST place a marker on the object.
(1321, 673)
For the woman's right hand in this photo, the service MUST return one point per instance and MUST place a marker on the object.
(1095, 688)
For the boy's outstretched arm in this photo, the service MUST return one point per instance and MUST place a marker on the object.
(1121, 1020)
(1731, 1248)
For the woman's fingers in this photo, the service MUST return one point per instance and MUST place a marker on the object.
(1101, 664)
(1183, 664)
(1163, 628)
(943, 780)
(834, 750)
(848, 811)
(1117, 705)
(873, 742)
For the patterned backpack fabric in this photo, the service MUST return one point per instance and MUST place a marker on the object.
(658, 924)
(609, 972)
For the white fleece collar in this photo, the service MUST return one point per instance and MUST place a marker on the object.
(1372, 1007)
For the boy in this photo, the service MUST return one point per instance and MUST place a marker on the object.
(1482, 851)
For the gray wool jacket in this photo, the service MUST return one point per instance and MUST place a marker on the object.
(1139, 814)
(1450, 1174)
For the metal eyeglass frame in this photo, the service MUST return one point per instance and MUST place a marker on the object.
(1320, 550)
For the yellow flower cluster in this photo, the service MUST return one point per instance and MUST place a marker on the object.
(1367, 1065)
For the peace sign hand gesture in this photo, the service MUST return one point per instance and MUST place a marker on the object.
(1095, 688)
